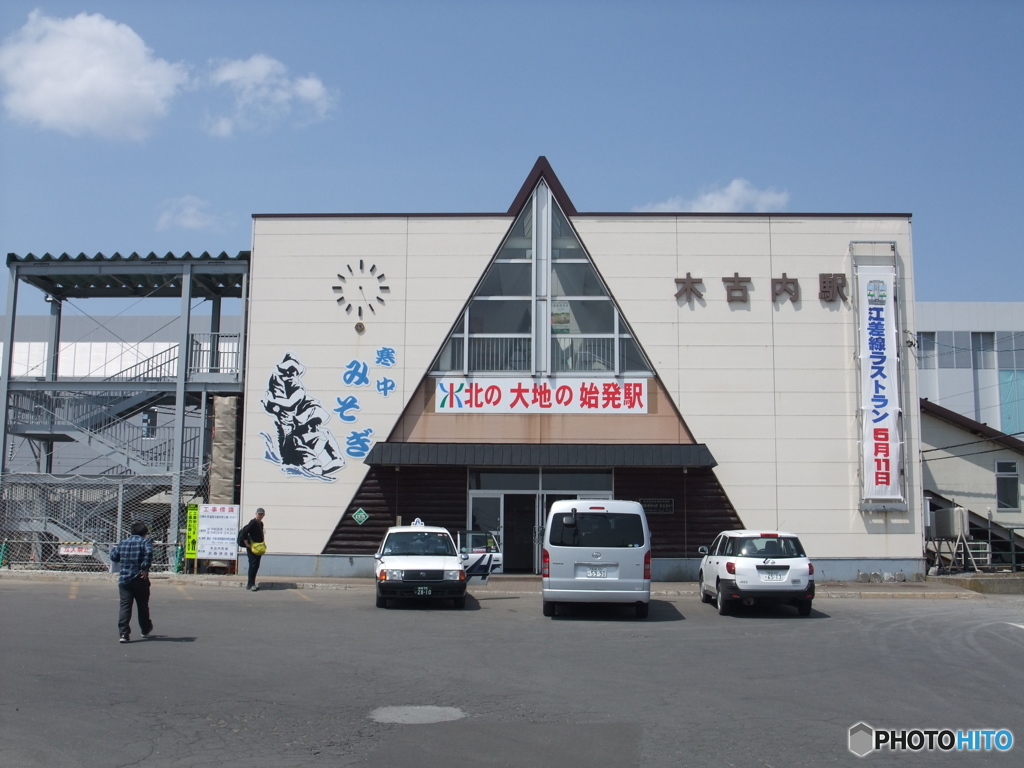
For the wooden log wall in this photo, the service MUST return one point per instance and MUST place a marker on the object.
(436, 495)
(701, 508)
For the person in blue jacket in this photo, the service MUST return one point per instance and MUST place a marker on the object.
(134, 555)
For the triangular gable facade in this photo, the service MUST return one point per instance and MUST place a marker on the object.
(540, 323)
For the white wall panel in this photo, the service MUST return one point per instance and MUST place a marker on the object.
(293, 309)
(693, 332)
(310, 226)
(734, 403)
(811, 450)
(842, 404)
(769, 386)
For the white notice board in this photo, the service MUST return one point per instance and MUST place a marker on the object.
(218, 532)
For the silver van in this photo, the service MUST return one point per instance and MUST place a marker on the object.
(596, 551)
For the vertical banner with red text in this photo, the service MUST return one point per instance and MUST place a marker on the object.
(881, 412)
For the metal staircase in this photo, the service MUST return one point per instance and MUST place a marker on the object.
(140, 458)
(102, 420)
(1004, 546)
(83, 453)
(103, 423)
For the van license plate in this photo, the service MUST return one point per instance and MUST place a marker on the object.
(423, 590)
(597, 573)
(773, 576)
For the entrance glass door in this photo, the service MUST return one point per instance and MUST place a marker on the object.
(520, 519)
(514, 504)
(485, 513)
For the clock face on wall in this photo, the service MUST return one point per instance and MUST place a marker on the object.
(361, 290)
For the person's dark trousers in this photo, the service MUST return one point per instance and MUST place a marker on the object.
(254, 567)
(136, 591)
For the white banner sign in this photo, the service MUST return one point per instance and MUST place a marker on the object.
(218, 532)
(879, 384)
(85, 550)
(528, 395)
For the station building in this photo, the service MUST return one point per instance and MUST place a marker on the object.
(467, 369)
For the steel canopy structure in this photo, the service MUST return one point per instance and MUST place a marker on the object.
(141, 436)
(117, 276)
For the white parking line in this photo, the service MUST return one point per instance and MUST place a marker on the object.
(1015, 625)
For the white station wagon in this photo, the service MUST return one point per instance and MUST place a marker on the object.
(754, 566)
(419, 561)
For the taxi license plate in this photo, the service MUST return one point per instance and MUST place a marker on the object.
(597, 573)
(773, 576)
(423, 590)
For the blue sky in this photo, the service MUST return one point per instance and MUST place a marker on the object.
(162, 126)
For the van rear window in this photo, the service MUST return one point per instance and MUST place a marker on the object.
(597, 530)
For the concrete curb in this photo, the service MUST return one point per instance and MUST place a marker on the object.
(514, 585)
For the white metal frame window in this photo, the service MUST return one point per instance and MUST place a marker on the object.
(1007, 486)
(541, 308)
(954, 349)
(1009, 350)
(983, 350)
(926, 350)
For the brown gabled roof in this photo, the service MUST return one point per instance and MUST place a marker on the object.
(542, 170)
(542, 455)
(972, 426)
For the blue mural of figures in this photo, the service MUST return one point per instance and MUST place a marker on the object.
(302, 444)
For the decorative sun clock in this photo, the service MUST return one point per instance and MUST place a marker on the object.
(361, 291)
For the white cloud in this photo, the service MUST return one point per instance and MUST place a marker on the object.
(186, 212)
(264, 94)
(86, 75)
(738, 196)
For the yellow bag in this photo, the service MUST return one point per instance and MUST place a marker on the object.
(259, 548)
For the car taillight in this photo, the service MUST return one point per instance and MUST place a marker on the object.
(545, 563)
(647, 565)
(730, 567)
(810, 569)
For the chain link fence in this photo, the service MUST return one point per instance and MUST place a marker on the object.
(70, 523)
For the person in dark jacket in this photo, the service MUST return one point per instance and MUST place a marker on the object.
(135, 556)
(252, 533)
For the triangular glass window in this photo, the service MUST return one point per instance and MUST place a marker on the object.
(541, 307)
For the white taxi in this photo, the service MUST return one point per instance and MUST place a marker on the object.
(419, 561)
(753, 566)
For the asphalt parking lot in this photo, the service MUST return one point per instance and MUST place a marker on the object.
(320, 677)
